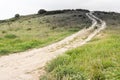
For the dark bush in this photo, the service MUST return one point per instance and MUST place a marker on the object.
(3, 32)
(17, 16)
(54, 12)
(54, 27)
(74, 15)
(42, 11)
(96, 27)
(67, 10)
(29, 29)
(79, 15)
(83, 10)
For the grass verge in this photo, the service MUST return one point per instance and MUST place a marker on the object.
(97, 60)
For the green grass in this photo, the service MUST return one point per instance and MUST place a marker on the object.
(97, 60)
(11, 44)
(38, 31)
(10, 36)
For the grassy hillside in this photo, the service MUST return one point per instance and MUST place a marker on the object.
(97, 60)
(34, 31)
(112, 18)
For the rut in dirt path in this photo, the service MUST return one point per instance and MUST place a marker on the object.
(21, 66)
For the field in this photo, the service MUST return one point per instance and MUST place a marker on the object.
(97, 60)
(35, 31)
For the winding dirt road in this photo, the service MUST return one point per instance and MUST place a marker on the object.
(27, 65)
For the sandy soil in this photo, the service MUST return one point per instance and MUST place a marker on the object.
(29, 65)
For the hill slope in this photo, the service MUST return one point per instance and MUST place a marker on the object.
(25, 65)
(34, 31)
(97, 60)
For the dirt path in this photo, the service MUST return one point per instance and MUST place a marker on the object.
(24, 65)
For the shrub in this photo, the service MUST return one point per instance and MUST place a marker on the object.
(28, 29)
(3, 32)
(67, 10)
(42, 11)
(74, 15)
(54, 12)
(83, 10)
(10, 36)
(79, 15)
(54, 27)
(17, 16)
(96, 27)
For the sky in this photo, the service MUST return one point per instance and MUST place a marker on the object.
(24, 7)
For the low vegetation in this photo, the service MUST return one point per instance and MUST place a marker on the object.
(97, 60)
(112, 18)
(35, 31)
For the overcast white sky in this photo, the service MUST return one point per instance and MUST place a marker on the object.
(10, 7)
